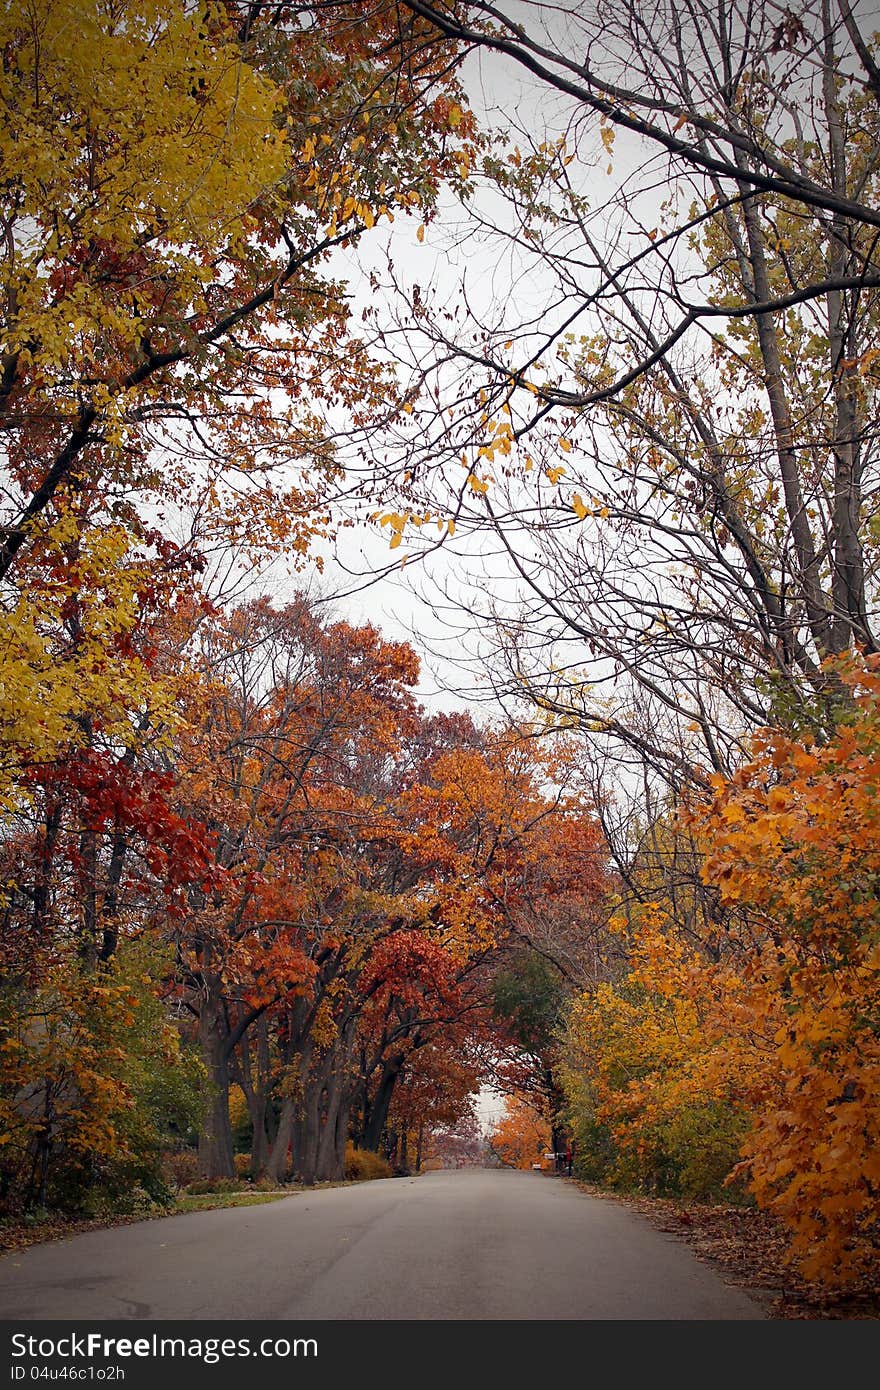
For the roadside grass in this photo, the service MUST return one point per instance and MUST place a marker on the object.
(207, 1201)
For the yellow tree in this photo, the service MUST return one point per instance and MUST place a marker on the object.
(175, 178)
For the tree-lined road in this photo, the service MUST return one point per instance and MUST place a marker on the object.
(473, 1244)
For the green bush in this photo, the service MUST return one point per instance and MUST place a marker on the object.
(706, 1140)
(689, 1153)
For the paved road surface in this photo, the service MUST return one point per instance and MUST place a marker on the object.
(470, 1244)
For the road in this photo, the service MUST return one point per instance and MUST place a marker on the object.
(475, 1244)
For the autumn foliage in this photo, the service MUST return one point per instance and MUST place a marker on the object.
(749, 1062)
(521, 1137)
(794, 847)
(258, 904)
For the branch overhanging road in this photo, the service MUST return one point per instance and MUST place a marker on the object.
(473, 1244)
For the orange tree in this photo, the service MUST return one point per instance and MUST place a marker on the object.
(175, 182)
(755, 1053)
(288, 718)
(438, 859)
(521, 1136)
(370, 859)
(649, 1089)
(794, 842)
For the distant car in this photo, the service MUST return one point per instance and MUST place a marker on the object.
(539, 1166)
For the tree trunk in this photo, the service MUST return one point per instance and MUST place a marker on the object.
(306, 1133)
(327, 1168)
(334, 1109)
(215, 1140)
(254, 1082)
(848, 574)
(382, 1102)
(276, 1159)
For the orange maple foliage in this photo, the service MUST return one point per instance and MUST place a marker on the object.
(521, 1137)
(767, 1038)
(794, 842)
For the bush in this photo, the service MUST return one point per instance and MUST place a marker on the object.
(180, 1167)
(362, 1165)
(137, 1200)
(99, 1052)
(242, 1165)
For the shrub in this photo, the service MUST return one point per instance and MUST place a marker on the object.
(362, 1165)
(180, 1167)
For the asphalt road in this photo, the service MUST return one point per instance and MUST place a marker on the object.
(472, 1244)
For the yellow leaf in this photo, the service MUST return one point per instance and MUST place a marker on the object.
(420, 234)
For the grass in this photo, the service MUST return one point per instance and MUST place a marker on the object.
(207, 1201)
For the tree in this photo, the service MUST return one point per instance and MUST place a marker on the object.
(461, 1145)
(677, 457)
(747, 1062)
(176, 180)
(653, 1104)
(173, 339)
(287, 736)
(522, 1134)
(792, 842)
(94, 855)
